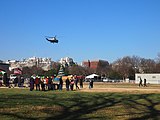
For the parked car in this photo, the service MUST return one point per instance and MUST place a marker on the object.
(105, 80)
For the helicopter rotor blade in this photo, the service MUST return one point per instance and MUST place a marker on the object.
(48, 37)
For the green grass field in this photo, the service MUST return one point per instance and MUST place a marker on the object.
(21, 104)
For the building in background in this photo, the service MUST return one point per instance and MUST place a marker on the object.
(153, 78)
(44, 63)
(66, 61)
(94, 64)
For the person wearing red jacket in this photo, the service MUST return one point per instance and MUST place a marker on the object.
(37, 82)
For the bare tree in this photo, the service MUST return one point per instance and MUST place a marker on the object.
(77, 70)
(124, 66)
(148, 65)
(157, 69)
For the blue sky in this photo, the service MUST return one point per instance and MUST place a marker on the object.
(86, 29)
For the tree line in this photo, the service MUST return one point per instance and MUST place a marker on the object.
(122, 68)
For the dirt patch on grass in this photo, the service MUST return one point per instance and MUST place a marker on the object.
(47, 108)
(124, 88)
(130, 90)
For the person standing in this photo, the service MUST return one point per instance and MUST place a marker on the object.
(67, 84)
(19, 81)
(22, 81)
(60, 83)
(46, 82)
(72, 84)
(31, 83)
(145, 83)
(49, 83)
(37, 81)
(140, 82)
(81, 83)
(76, 83)
(5, 79)
(42, 84)
(90, 83)
(15, 81)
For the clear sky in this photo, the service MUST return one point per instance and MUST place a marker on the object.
(86, 29)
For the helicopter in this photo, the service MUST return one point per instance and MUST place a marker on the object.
(52, 39)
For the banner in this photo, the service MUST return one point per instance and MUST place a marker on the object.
(17, 71)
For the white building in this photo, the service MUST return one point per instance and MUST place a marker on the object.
(66, 61)
(44, 63)
(150, 78)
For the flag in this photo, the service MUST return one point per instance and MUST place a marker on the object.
(2, 72)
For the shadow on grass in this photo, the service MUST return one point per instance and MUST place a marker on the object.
(148, 103)
(79, 105)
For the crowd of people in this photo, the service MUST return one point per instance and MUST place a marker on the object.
(48, 83)
(18, 81)
(42, 83)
